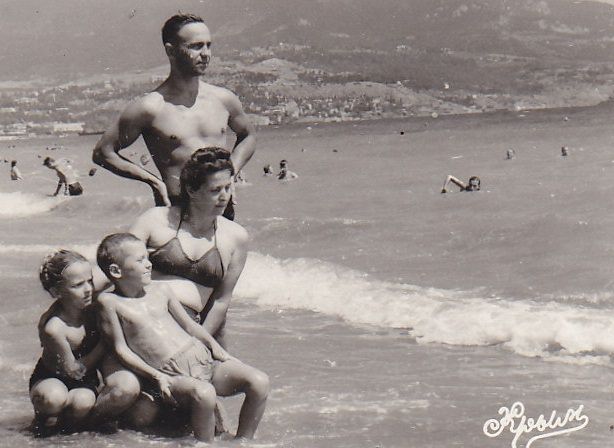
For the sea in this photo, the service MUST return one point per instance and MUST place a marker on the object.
(386, 313)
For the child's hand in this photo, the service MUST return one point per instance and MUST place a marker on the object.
(76, 371)
(220, 354)
(164, 386)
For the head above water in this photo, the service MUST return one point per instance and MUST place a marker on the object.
(474, 183)
(52, 268)
(110, 251)
(174, 24)
(202, 164)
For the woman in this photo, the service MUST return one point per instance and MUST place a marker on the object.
(195, 242)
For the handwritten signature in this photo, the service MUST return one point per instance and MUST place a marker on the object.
(518, 424)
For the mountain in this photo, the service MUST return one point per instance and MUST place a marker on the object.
(66, 39)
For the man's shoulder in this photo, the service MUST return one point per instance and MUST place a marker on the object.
(147, 104)
(222, 93)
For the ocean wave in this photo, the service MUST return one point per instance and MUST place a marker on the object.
(552, 330)
(87, 250)
(19, 205)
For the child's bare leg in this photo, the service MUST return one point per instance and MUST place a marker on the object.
(49, 398)
(80, 402)
(121, 390)
(199, 398)
(233, 377)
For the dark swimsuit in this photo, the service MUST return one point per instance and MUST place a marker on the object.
(208, 270)
(90, 379)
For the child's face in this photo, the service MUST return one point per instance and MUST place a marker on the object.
(136, 266)
(77, 286)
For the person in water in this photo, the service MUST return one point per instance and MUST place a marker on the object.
(64, 384)
(195, 243)
(181, 115)
(474, 184)
(15, 173)
(152, 334)
(284, 172)
(67, 176)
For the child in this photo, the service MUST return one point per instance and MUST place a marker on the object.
(64, 383)
(153, 335)
(67, 176)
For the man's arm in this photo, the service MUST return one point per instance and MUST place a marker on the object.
(133, 120)
(112, 331)
(245, 144)
(222, 294)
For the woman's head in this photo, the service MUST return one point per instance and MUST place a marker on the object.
(206, 166)
(67, 275)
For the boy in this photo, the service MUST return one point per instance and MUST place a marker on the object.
(66, 176)
(153, 335)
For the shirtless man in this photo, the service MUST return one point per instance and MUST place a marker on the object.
(180, 116)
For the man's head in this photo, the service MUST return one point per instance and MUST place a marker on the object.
(123, 257)
(474, 183)
(187, 42)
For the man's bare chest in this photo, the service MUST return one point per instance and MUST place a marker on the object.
(205, 119)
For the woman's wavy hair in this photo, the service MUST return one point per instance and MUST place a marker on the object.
(203, 163)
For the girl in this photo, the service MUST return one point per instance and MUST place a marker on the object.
(63, 386)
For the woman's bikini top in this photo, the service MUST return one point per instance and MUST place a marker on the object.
(170, 259)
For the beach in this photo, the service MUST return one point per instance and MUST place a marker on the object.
(386, 313)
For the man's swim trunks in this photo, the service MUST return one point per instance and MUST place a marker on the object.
(193, 360)
(41, 372)
(75, 189)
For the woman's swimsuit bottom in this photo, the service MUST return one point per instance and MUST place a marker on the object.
(170, 259)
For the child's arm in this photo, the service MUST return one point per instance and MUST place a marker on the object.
(56, 346)
(91, 360)
(112, 330)
(192, 328)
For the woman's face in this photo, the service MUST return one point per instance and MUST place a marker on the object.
(215, 193)
(77, 285)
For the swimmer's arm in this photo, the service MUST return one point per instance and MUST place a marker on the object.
(222, 295)
(459, 183)
(56, 346)
(245, 144)
(181, 316)
(123, 133)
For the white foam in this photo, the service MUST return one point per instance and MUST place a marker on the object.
(549, 329)
(19, 205)
(87, 250)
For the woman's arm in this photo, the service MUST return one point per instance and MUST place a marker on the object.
(222, 294)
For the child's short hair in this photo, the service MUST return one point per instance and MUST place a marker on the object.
(53, 266)
(109, 250)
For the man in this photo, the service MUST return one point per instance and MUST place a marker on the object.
(67, 176)
(180, 116)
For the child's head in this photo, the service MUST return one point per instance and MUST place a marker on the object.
(123, 257)
(48, 161)
(13, 162)
(67, 276)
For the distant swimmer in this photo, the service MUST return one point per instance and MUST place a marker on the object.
(15, 173)
(67, 176)
(474, 184)
(510, 154)
(284, 172)
(564, 151)
(268, 170)
(181, 115)
(92, 172)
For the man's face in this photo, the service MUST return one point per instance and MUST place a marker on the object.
(192, 50)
